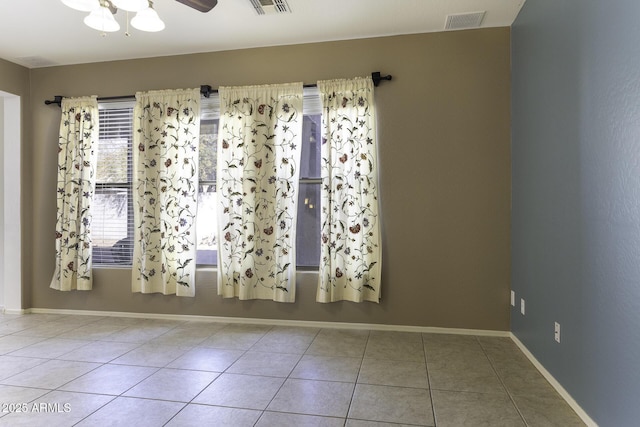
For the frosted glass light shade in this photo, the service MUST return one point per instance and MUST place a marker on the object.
(101, 19)
(131, 5)
(147, 20)
(82, 5)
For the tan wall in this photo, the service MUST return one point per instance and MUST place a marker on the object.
(444, 171)
(14, 79)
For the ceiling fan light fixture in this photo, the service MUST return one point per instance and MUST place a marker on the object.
(102, 19)
(147, 20)
(82, 5)
(131, 5)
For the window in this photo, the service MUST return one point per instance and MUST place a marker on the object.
(112, 222)
(112, 228)
(308, 227)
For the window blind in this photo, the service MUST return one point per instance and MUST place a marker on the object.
(112, 222)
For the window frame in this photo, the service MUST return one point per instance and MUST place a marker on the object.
(101, 187)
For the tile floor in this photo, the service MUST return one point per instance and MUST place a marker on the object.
(67, 370)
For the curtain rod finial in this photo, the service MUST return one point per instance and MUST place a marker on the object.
(206, 90)
(377, 78)
(56, 100)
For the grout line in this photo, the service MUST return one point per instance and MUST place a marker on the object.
(355, 385)
(493, 367)
(426, 364)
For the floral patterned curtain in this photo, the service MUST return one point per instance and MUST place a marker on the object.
(77, 146)
(350, 224)
(165, 167)
(258, 169)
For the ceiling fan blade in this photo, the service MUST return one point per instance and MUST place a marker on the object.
(201, 5)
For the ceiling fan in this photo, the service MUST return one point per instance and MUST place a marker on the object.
(102, 12)
(201, 5)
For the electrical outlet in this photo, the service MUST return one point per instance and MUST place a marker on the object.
(513, 298)
(522, 306)
(556, 333)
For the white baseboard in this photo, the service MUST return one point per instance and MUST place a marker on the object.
(277, 322)
(554, 383)
(15, 311)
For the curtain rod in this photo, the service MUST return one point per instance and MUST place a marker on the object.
(205, 90)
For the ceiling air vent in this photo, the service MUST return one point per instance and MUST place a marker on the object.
(463, 21)
(268, 7)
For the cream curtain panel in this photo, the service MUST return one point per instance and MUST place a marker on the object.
(77, 146)
(258, 169)
(165, 167)
(351, 253)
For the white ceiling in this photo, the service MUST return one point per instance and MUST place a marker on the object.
(38, 33)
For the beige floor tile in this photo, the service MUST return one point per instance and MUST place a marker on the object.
(280, 419)
(92, 331)
(203, 415)
(10, 343)
(51, 374)
(328, 368)
(33, 320)
(250, 328)
(206, 359)
(523, 380)
(459, 409)
(77, 319)
(266, 364)
(464, 371)
(51, 347)
(502, 350)
(282, 343)
(136, 334)
(310, 397)
(48, 330)
(209, 326)
(122, 322)
(339, 343)
(391, 404)
(362, 423)
(173, 384)
(151, 355)
(18, 395)
(99, 351)
(397, 336)
(59, 409)
(393, 373)
(183, 337)
(547, 411)
(445, 340)
(9, 328)
(293, 330)
(232, 340)
(240, 391)
(109, 379)
(128, 411)
(10, 365)
(395, 346)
